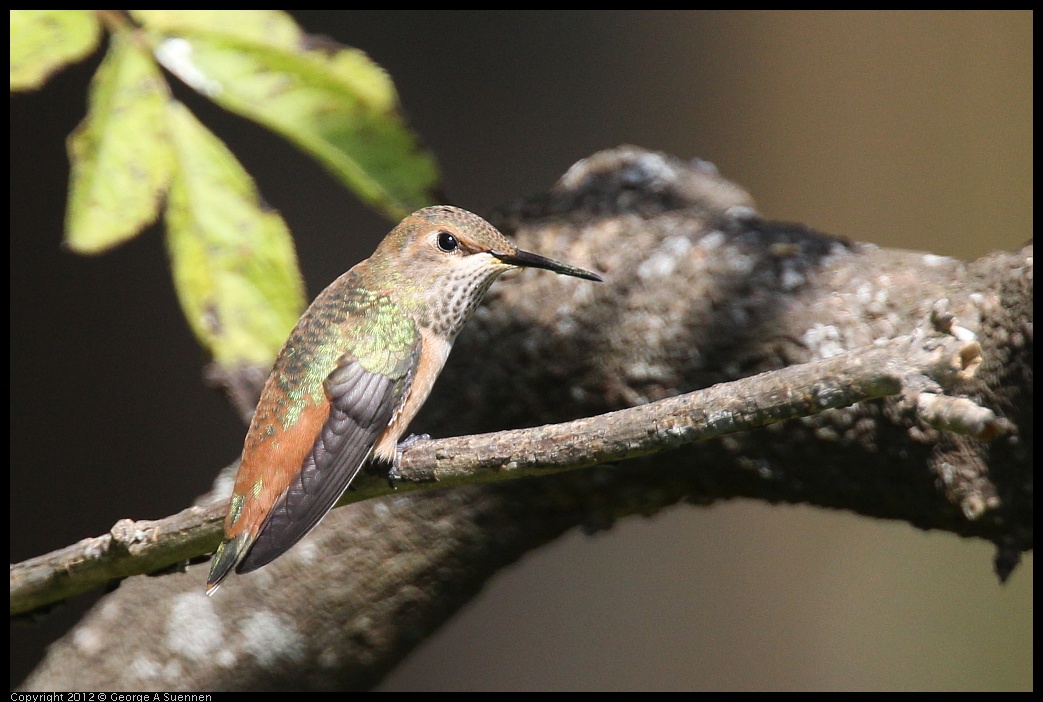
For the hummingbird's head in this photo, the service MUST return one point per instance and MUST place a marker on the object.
(451, 256)
(451, 239)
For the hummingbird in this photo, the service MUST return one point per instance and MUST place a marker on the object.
(355, 370)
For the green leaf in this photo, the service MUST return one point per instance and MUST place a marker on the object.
(271, 27)
(331, 101)
(233, 259)
(44, 41)
(120, 153)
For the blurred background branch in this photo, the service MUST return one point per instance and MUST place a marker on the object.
(352, 600)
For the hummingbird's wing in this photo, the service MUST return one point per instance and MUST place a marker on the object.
(361, 405)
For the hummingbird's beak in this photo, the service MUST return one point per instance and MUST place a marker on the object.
(524, 259)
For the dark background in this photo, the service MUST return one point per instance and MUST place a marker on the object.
(903, 129)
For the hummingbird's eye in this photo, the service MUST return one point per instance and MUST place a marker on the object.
(447, 242)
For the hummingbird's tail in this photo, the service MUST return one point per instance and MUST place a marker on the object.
(229, 553)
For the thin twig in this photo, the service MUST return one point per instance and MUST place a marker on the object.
(920, 361)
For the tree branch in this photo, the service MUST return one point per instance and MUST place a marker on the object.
(902, 365)
(699, 292)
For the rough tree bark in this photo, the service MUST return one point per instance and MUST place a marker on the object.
(699, 290)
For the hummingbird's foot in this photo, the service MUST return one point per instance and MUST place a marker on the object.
(393, 474)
